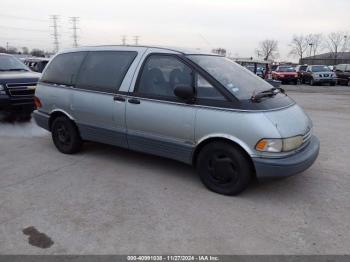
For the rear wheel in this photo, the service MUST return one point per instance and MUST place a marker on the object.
(332, 84)
(224, 168)
(349, 82)
(65, 135)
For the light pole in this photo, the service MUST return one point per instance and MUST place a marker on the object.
(310, 44)
(345, 43)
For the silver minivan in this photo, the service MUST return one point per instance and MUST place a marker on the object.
(200, 109)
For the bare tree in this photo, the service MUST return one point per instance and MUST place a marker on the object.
(299, 46)
(336, 42)
(315, 42)
(12, 50)
(268, 49)
(2, 49)
(25, 50)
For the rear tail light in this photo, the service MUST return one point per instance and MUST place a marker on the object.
(37, 102)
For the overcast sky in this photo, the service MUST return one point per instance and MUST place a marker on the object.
(237, 25)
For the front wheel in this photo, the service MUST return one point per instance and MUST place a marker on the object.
(224, 168)
(312, 82)
(65, 135)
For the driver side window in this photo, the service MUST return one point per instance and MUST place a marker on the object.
(161, 74)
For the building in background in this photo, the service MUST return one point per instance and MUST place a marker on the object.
(327, 59)
(219, 51)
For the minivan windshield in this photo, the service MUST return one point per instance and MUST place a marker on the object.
(10, 63)
(241, 82)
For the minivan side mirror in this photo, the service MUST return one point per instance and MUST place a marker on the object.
(184, 92)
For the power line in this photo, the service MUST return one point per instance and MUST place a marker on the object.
(23, 18)
(75, 21)
(23, 28)
(55, 33)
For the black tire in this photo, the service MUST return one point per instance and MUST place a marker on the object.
(65, 135)
(224, 168)
(332, 84)
(296, 82)
(349, 83)
(312, 82)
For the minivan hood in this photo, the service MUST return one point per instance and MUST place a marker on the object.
(291, 121)
(18, 77)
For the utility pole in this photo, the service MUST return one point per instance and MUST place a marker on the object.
(123, 39)
(54, 25)
(136, 39)
(75, 21)
(7, 47)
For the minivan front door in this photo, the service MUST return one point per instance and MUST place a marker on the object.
(157, 121)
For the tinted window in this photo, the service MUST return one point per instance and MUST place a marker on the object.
(104, 71)
(161, 74)
(64, 68)
(206, 91)
(302, 68)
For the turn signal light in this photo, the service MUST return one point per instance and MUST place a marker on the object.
(37, 102)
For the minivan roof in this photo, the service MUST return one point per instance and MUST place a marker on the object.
(184, 51)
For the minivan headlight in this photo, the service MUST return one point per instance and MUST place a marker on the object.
(279, 144)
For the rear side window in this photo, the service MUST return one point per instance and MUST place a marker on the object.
(64, 68)
(104, 71)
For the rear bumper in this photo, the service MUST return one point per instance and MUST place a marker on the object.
(41, 119)
(288, 166)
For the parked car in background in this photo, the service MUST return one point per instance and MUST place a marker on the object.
(285, 74)
(343, 74)
(36, 64)
(202, 109)
(274, 67)
(319, 74)
(332, 68)
(17, 86)
(259, 70)
(300, 69)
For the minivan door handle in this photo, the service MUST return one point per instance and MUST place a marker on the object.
(119, 98)
(134, 101)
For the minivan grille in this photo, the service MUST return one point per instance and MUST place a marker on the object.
(16, 89)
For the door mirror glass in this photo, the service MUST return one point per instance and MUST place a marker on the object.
(184, 92)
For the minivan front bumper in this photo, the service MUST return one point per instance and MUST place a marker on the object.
(288, 166)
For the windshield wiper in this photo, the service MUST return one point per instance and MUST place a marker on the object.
(267, 93)
(17, 69)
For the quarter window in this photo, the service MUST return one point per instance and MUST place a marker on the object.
(104, 71)
(161, 74)
(64, 68)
